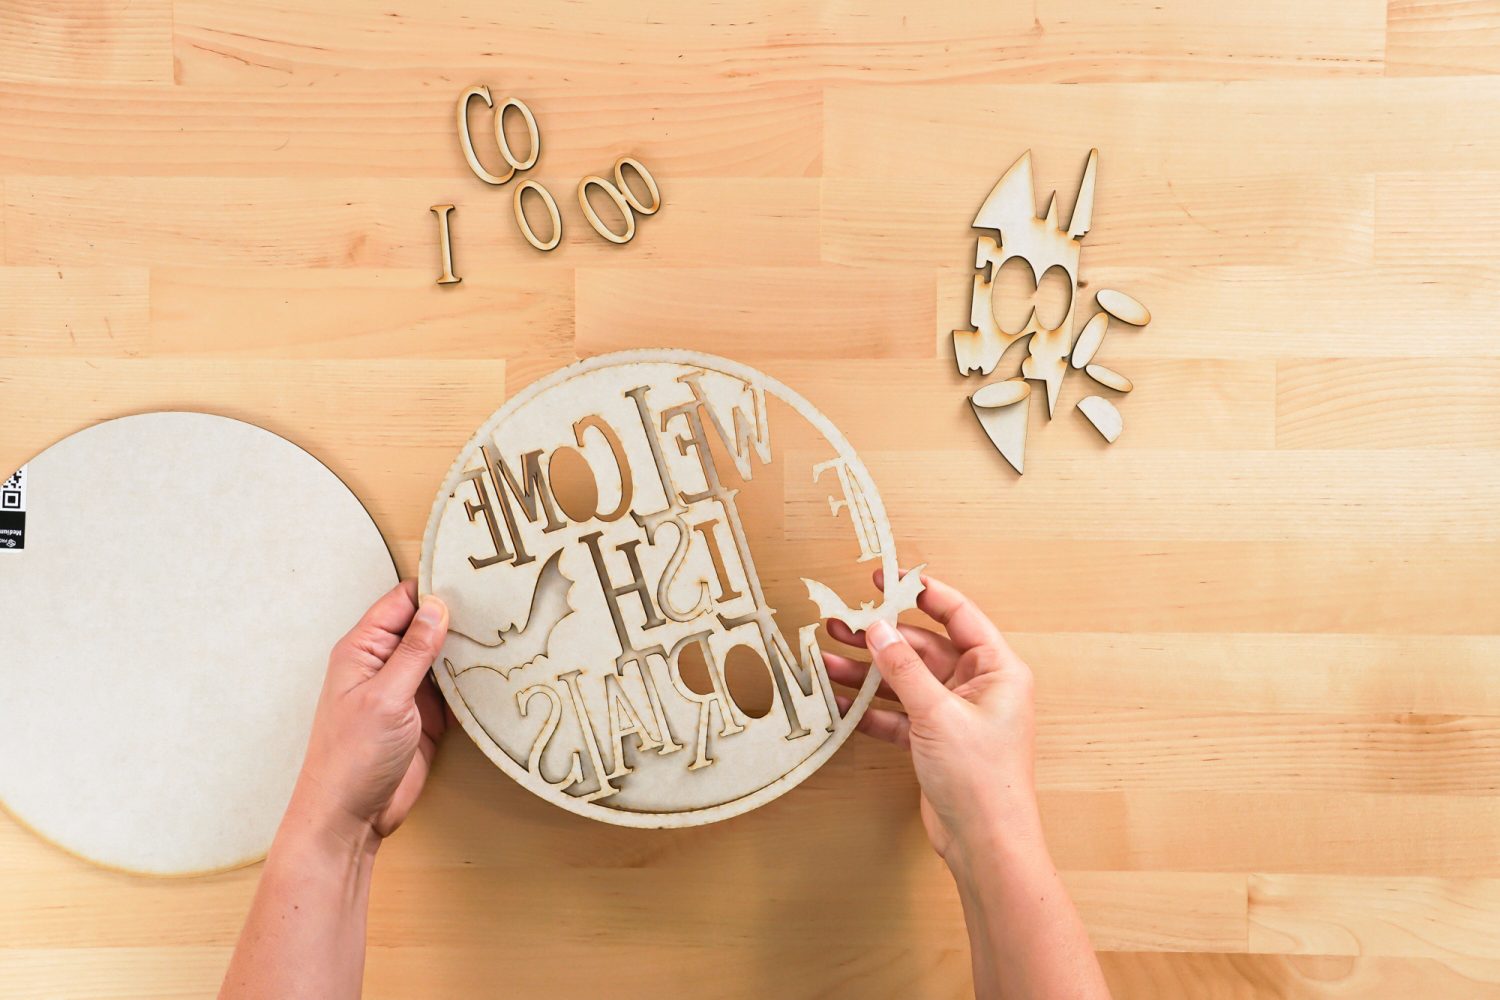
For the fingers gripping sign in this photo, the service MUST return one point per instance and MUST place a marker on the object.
(904, 670)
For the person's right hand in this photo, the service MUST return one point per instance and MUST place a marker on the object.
(969, 721)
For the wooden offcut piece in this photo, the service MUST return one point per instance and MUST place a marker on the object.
(1103, 415)
(1089, 340)
(1122, 307)
(1003, 409)
(1109, 378)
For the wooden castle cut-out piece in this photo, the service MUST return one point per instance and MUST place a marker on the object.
(1103, 415)
(1004, 409)
(648, 568)
(1010, 209)
(1046, 246)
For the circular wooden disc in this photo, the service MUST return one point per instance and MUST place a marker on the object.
(167, 627)
(578, 624)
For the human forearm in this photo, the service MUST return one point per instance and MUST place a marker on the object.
(1025, 935)
(305, 936)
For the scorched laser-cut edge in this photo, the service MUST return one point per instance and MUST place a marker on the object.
(1010, 210)
(586, 704)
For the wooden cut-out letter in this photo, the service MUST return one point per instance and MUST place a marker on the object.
(445, 244)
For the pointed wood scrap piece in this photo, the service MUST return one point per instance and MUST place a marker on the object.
(1083, 206)
(1103, 415)
(1109, 378)
(1090, 339)
(1003, 409)
(1122, 307)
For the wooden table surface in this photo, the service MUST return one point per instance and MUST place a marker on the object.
(1264, 623)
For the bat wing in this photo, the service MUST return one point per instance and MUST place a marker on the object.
(520, 646)
(899, 596)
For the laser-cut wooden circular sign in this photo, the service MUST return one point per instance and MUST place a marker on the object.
(574, 612)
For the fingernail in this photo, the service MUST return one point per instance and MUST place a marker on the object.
(430, 612)
(880, 635)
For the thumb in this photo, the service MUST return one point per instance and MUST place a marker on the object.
(920, 692)
(424, 637)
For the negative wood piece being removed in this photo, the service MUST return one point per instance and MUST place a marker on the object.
(1103, 415)
(572, 623)
(1004, 409)
(1122, 307)
(1089, 340)
(1109, 378)
(167, 627)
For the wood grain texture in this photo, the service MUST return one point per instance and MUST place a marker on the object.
(1263, 623)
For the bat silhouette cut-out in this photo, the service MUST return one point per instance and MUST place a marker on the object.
(521, 645)
(900, 596)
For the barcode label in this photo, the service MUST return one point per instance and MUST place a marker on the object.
(13, 511)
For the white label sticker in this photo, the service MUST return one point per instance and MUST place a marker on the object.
(13, 511)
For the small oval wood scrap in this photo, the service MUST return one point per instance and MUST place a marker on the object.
(1109, 378)
(1122, 307)
(1090, 339)
(1103, 415)
(998, 394)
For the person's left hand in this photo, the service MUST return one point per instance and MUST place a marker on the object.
(378, 721)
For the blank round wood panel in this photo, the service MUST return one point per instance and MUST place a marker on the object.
(602, 566)
(167, 628)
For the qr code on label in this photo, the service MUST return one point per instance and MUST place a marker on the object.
(13, 511)
(13, 491)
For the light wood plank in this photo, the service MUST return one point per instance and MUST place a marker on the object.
(88, 42)
(1442, 37)
(1248, 131)
(1414, 917)
(355, 313)
(1251, 977)
(1370, 404)
(73, 311)
(1167, 748)
(1350, 675)
(1438, 219)
(856, 313)
(275, 43)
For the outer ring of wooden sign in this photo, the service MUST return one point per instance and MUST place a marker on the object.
(688, 817)
(640, 168)
(525, 226)
(620, 202)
